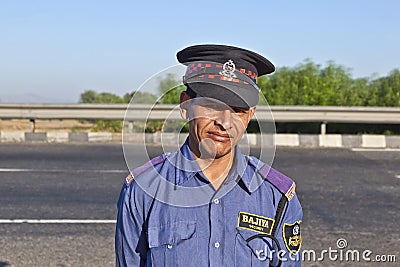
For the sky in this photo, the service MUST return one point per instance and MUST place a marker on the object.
(53, 50)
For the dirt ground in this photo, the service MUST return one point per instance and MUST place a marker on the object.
(47, 125)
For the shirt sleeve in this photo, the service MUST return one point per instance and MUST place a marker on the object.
(289, 236)
(130, 239)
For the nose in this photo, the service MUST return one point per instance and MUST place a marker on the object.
(224, 119)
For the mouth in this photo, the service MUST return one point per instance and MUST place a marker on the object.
(219, 137)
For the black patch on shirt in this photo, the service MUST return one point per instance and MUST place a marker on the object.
(292, 236)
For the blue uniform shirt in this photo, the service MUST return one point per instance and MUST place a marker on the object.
(237, 225)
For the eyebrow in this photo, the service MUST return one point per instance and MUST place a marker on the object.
(239, 108)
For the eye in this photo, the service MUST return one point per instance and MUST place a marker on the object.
(240, 111)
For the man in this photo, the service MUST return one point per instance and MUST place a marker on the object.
(208, 204)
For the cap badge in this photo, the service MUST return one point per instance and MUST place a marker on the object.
(228, 70)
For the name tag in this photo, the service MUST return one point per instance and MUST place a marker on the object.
(255, 223)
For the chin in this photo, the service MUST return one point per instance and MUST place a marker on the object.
(223, 151)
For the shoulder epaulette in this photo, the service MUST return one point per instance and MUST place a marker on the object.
(283, 183)
(151, 163)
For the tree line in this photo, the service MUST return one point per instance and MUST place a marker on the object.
(307, 84)
(310, 84)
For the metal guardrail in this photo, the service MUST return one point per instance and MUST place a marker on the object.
(322, 114)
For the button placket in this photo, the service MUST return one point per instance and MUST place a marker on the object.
(217, 228)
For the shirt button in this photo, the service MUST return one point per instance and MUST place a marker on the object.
(216, 244)
(169, 246)
(216, 201)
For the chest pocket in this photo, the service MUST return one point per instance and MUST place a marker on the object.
(250, 251)
(172, 244)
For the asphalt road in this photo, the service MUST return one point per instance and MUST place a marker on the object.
(353, 195)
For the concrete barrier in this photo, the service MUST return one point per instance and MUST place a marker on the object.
(36, 137)
(78, 137)
(100, 137)
(330, 140)
(393, 141)
(308, 140)
(55, 137)
(12, 137)
(351, 140)
(174, 139)
(287, 140)
(375, 141)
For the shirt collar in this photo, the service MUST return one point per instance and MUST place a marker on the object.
(242, 170)
(185, 164)
(187, 167)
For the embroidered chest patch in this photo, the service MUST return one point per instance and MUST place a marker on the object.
(255, 223)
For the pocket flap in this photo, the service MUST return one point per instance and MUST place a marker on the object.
(260, 242)
(170, 233)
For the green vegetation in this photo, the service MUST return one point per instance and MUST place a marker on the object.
(92, 97)
(310, 84)
(305, 84)
(169, 94)
(168, 91)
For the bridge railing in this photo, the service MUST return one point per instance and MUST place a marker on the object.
(321, 114)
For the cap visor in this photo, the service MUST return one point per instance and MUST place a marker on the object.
(232, 95)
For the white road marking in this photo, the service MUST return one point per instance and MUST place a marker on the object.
(61, 170)
(376, 149)
(397, 176)
(56, 221)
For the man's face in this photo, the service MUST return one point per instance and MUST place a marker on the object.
(214, 127)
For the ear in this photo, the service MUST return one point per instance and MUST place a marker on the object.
(252, 110)
(184, 105)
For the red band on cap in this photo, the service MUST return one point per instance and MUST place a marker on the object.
(198, 68)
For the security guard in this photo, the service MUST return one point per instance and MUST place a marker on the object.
(208, 204)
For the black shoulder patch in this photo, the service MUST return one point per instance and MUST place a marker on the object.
(292, 236)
